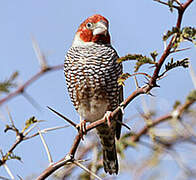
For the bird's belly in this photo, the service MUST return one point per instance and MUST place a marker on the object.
(92, 109)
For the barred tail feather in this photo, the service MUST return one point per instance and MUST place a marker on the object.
(110, 161)
(107, 137)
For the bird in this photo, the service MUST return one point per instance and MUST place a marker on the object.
(92, 71)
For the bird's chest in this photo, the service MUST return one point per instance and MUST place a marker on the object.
(91, 80)
(89, 91)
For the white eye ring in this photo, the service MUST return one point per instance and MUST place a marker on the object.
(89, 25)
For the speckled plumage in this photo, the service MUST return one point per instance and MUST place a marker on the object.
(91, 74)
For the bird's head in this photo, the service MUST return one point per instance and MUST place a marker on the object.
(93, 30)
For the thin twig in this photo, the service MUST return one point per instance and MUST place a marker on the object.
(8, 171)
(86, 169)
(21, 88)
(142, 90)
(45, 131)
(181, 109)
(32, 101)
(3, 178)
(40, 56)
(46, 147)
(179, 50)
(193, 75)
(162, 2)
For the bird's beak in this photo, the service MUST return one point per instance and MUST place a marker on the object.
(101, 27)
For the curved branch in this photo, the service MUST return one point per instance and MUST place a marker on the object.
(21, 88)
(142, 90)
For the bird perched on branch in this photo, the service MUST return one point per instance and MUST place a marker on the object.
(92, 71)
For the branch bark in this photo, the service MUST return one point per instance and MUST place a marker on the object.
(21, 88)
(142, 90)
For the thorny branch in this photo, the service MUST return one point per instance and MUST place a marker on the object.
(142, 90)
(22, 88)
(20, 137)
(164, 118)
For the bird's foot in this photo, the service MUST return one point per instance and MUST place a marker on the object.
(122, 108)
(108, 117)
(82, 128)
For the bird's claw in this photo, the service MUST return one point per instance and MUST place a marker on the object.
(122, 108)
(82, 129)
(108, 117)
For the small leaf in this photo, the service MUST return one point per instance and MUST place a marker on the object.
(7, 128)
(7, 84)
(139, 58)
(176, 104)
(189, 32)
(13, 156)
(192, 96)
(170, 65)
(122, 78)
(14, 76)
(154, 54)
(170, 4)
(29, 122)
(170, 33)
(143, 60)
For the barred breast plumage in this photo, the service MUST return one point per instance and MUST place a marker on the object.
(92, 71)
(91, 75)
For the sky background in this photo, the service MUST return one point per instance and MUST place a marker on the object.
(135, 27)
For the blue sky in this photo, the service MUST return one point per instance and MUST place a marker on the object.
(135, 26)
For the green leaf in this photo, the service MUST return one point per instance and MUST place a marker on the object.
(13, 156)
(176, 104)
(170, 4)
(7, 128)
(29, 122)
(141, 59)
(189, 32)
(170, 33)
(122, 78)
(7, 84)
(154, 54)
(192, 96)
(171, 65)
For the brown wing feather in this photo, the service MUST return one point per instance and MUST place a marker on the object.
(119, 115)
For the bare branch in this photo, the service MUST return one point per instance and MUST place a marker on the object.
(87, 170)
(21, 88)
(59, 114)
(8, 171)
(46, 147)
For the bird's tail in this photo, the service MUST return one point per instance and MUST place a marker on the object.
(110, 161)
(107, 136)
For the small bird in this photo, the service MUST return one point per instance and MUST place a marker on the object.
(91, 72)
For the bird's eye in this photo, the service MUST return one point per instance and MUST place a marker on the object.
(89, 25)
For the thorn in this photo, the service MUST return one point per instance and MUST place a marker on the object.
(66, 119)
(156, 85)
(136, 82)
(8, 171)
(10, 116)
(149, 93)
(32, 101)
(121, 106)
(146, 79)
(3, 178)
(40, 56)
(20, 177)
(86, 169)
(193, 75)
(123, 124)
(46, 147)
